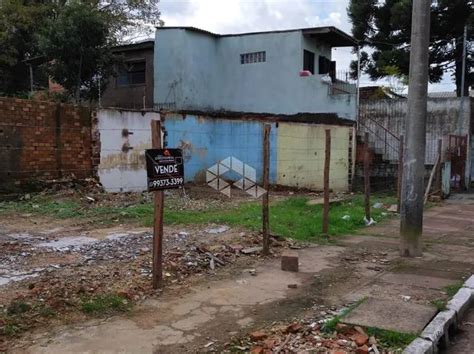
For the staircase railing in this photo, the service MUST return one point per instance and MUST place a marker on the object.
(386, 134)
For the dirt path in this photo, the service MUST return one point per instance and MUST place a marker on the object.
(209, 312)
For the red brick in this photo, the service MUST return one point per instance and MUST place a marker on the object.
(289, 261)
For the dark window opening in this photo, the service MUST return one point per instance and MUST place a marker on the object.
(256, 57)
(308, 61)
(327, 66)
(132, 73)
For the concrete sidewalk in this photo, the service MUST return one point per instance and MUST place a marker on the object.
(400, 293)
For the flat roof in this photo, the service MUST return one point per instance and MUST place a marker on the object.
(144, 44)
(328, 34)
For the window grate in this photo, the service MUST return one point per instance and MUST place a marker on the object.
(255, 57)
(132, 73)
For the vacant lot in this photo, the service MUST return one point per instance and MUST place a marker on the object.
(71, 254)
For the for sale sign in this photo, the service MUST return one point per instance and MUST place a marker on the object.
(165, 169)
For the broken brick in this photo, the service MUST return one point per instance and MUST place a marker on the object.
(342, 328)
(293, 328)
(256, 350)
(269, 343)
(258, 335)
(362, 350)
(360, 330)
(360, 339)
(289, 261)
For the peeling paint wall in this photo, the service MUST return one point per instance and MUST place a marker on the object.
(301, 154)
(296, 149)
(206, 141)
(124, 137)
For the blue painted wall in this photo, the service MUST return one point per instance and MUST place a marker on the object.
(198, 71)
(206, 141)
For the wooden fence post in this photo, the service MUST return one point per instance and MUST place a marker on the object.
(400, 172)
(158, 215)
(327, 162)
(440, 166)
(266, 185)
(367, 178)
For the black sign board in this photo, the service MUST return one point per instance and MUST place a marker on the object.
(165, 169)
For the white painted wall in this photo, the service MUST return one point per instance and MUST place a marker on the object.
(121, 170)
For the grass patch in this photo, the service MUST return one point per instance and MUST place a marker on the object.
(391, 339)
(330, 326)
(18, 308)
(104, 304)
(452, 289)
(440, 304)
(11, 329)
(291, 217)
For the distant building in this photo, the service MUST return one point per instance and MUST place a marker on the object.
(378, 92)
(277, 72)
(132, 87)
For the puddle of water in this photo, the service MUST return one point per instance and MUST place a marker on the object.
(66, 243)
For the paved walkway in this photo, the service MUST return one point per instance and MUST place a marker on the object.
(359, 266)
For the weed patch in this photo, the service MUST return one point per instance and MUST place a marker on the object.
(105, 304)
(18, 308)
(391, 339)
(330, 326)
(452, 289)
(292, 217)
(440, 304)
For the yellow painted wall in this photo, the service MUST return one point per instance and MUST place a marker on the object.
(301, 156)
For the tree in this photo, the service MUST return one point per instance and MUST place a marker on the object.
(19, 21)
(73, 36)
(384, 28)
(76, 45)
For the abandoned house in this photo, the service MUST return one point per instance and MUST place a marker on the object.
(132, 86)
(214, 94)
(279, 72)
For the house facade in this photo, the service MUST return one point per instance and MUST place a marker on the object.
(215, 95)
(132, 86)
(262, 72)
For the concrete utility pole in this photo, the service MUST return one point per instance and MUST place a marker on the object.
(411, 226)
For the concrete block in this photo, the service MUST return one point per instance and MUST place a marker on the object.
(289, 261)
(469, 283)
(460, 302)
(420, 346)
(439, 326)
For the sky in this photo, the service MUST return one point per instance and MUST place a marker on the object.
(234, 16)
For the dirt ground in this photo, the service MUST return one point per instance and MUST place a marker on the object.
(218, 288)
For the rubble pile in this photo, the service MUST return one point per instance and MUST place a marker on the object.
(308, 336)
(54, 275)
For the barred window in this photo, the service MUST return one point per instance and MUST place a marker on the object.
(255, 57)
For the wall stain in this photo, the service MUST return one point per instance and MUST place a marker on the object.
(131, 160)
